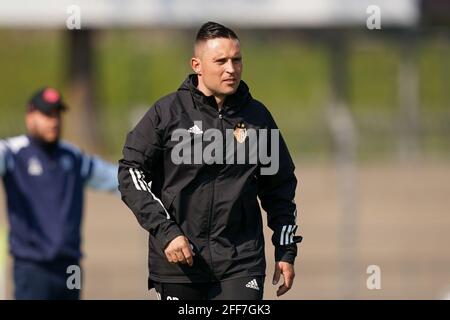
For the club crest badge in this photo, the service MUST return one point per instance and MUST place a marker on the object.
(240, 132)
(34, 167)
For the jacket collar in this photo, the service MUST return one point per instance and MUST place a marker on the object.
(233, 103)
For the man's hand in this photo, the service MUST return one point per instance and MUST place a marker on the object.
(287, 270)
(179, 251)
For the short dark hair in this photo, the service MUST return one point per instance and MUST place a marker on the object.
(213, 30)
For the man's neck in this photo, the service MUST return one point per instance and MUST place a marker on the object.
(46, 146)
(220, 99)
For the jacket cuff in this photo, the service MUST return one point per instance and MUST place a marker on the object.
(286, 253)
(167, 235)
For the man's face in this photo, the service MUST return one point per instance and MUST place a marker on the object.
(218, 63)
(46, 127)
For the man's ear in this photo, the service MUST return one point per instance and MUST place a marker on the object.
(196, 65)
(29, 120)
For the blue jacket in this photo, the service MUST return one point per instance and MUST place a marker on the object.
(44, 190)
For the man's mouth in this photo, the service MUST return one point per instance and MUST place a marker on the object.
(230, 80)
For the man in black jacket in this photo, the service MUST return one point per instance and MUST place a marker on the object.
(191, 172)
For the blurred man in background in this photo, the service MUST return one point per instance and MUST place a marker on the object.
(206, 239)
(44, 179)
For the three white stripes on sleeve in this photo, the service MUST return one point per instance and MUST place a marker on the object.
(287, 234)
(140, 184)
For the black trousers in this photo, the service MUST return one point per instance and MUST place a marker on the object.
(245, 288)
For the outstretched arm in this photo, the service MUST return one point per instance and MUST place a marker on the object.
(103, 175)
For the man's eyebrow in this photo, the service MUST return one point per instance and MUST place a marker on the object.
(222, 57)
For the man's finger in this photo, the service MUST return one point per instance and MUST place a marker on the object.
(282, 290)
(188, 255)
(192, 247)
(287, 285)
(169, 257)
(289, 279)
(276, 274)
(180, 257)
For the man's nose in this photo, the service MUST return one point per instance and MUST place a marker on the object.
(54, 121)
(229, 67)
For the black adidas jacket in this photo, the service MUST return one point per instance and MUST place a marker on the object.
(214, 205)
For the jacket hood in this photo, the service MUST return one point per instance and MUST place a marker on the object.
(233, 102)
